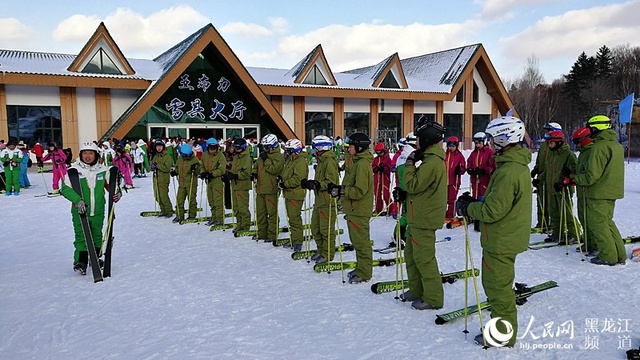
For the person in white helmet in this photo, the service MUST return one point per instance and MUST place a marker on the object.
(265, 170)
(505, 220)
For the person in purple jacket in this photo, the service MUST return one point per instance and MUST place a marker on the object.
(58, 159)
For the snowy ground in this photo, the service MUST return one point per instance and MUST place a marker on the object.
(182, 292)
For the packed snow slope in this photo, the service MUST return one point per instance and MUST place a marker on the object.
(182, 292)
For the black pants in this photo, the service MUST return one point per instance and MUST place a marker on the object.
(137, 168)
(3, 181)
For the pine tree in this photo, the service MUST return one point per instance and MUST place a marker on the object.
(604, 62)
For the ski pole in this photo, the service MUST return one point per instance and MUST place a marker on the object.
(563, 224)
(466, 281)
(308, 219)
(155, 192)
(584, 212)
(575, 224)
(255, 210)
(330, 225)
(473, 273)
(205, 183)
(335, 204)
(399, 270)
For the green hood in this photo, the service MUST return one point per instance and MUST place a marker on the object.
(516, 154)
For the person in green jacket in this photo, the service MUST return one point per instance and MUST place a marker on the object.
(426, 199)
(214, 165)
(538, 175)
(94, 182)
(324, 214)
(295, 169)
(582, 140)
(603, 180)
(357, 194)
(187, 168)
(560, 161)
(239, 177)
(265, 170)
(161, 165)
(11, 159)
(505, 222)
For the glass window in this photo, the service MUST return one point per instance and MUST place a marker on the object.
(453, 125)
(416, 119)
(101, 63)
(177, 132)
(317, 123)
(480, 122)
(233, 133)
(389, 129)
(315, 77)
(251, 133)
(356, 122)
(33, 124)
(476, 95)
(158, 132)
(460, 95)
(390, 82)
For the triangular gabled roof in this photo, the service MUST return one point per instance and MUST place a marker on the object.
(100, 38)
(378, 72)
(176, 60)
(316, 57)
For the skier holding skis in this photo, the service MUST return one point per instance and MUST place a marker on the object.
(505, 217)
(213, 166)
(426, 187)
(58, 159)
(357, 193)
(94, 183)
(239, 177)
(265, 170)
(295, 169)
(324, 214)
(161, 166)
(187, 167)
(11, 159)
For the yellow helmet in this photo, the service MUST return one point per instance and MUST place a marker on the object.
(599, 122)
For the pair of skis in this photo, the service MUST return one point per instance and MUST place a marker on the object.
(98, 275)
(393, 285)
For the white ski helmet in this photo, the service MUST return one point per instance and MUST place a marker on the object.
(480, 136)
(293, 145)
(322, 143)
(411, 139)
(505, 130)
(269, 141)
(552, 126)
(92, 147)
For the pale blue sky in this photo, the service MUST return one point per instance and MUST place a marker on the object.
(352, 33)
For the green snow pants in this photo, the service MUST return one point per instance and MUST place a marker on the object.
(240, 199)
(12, 177)
(183, 193)
(95, 223)
(587, 236)
(605, 232)
(422, 266)
(322, 219)
(294, 219)
(361, 240)
(542, 208)
(161, 192)
(557, 215)
(267, 216)
(215, 197)
(498, 275)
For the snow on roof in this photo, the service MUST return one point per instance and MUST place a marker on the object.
(297, 68)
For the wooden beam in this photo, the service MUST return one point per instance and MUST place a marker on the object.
(4, 121)
(467, 127)
(408, 109)
(69, 115)
(338, 117)
(103, 111)
(298, 117)
(440, 112)
(276, 100)
(74, 81)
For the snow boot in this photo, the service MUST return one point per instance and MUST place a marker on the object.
(479, 339)
(297, 248)
(421, 305)
(351, 274)
(176, 220)
(596, 260)
(408, 296)
(80, 268)
(315, 256)
(321, 260)
(355, 279)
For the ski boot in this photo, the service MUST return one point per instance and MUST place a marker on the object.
(80, 268)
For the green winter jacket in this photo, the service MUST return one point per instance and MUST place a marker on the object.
(358, 186)
(582, 167)
(505, 210)
(295, 169)
(241, 166)
(163, 162)
(94, 184)
(541, 160)
(556, 161)
(215, 164)
(604, 176)
(326, 172)
(426, 187)
(267, 171)
(186, 177)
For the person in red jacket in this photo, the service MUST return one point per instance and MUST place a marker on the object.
(454, 161)
(381, 166)
(480, 165)
(38, 151)
(400, 145)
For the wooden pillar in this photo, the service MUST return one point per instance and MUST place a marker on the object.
(338, 117)
(467, 127)
(298, 118)
(276, 100)
(69, 115)
(4, 121)
(103, 111)
(408, 107)
(373, 118)
(495, 112)
(440, 112)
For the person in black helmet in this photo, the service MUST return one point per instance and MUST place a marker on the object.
(426, 201)
(357, 193)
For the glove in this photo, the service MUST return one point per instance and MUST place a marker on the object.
(194, 168)
(6, 163)
(304, 183)
(565, 172)
(335, 190)
(14, 164)
(264, 155)
(472, 171)
(341, 168)
(153, 166)
(457, 170)
(204, 175)
(463, 203)
(82, 207)
(280, 182)
(481, 171)
(564, 182)
(410, 159)
(232, 176)
(393, 169)
(173, 171)
(535, 182)
(380, 167)
(313, 185)
(116, 197)
(399, 195)
(253, 176)
(224, 177)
